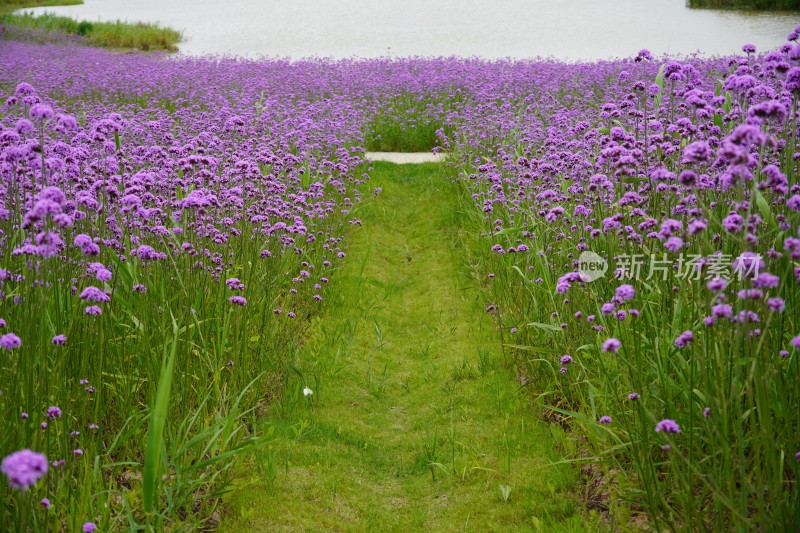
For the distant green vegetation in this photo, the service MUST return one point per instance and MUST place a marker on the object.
(7, 6)
(386, 135)
(746, 4)
(411, 123)
(138, 35)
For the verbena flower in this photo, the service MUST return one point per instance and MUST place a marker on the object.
(93, 294)
(9, 341)
(238, 300)
(625, 292)
(668, 426)
(684, 339)
(612, 345)
(24, 468)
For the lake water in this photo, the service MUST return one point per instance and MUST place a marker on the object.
(564, 29)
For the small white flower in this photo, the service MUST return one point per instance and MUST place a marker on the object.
(307, 392)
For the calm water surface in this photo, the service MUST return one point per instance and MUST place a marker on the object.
(564, 29)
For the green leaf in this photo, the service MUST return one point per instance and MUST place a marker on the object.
(660, 83)
(764, 208)
(158, 418)
(534, 349)
(546, 327)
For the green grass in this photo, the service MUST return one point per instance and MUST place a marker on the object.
(388, 135)
(405, 122)
(118, 34)
(6, 6)
(415, 423)
(758, 5)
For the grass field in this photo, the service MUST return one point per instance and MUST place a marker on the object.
(217, 313)
(415, 421)
(118, 34)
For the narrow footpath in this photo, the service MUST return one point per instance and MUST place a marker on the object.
(414, 422)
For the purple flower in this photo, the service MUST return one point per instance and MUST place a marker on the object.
(625, 292)
(9, 341)
(566, 359)
(45, 503)
(59, 340)
(796, 342)
(148, 253)
(234, 284)
(792, 82)
(668, 426)
(24, 468)
(89, 527)
(717, 284)
(612, 345)
(674, 244)
(776, 304)
(238, 300)
(748, 264)
(605, 420)
(684, 339)
(722, 311)
(766, 280)
(41, 112)
(53, 412)
(633, 396)
(93, 310)
(93, 294)
(706, 412)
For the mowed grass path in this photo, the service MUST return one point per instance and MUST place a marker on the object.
(415, 422)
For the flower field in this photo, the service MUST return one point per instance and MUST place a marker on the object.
(170, 227)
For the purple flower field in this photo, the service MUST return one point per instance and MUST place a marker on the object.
(169, 227)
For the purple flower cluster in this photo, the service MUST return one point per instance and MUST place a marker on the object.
(24, 468)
